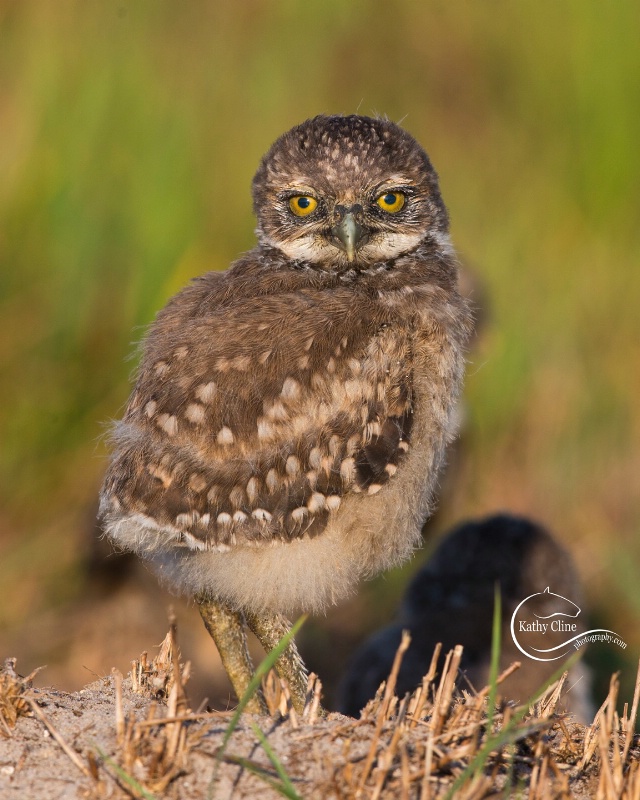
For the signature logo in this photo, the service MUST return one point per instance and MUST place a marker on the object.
(554, 618)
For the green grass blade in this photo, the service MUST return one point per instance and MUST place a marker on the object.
(263, 668)
(261, 773)
(273, 758)
(124, 776)
(495, 657)
(510, 733)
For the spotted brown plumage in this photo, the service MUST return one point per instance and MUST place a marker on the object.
(290, 414)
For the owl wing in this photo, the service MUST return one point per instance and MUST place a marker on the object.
(253, 417)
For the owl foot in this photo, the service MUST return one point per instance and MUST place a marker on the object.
(227, 629)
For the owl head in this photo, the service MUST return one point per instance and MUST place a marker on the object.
(347, 191)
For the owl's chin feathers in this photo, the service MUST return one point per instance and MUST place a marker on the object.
(384, 246)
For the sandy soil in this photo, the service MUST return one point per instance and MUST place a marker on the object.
(34, 765)
(137, 737)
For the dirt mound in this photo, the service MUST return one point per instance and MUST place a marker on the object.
(137, 737)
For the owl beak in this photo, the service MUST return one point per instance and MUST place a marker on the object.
(348, 234)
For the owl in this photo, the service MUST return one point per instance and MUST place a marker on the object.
(290, 415)
(451, 601)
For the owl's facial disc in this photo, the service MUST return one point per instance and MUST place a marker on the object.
(356, 225)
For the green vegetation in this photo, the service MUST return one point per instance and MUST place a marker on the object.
(267, 663)
(130, 133)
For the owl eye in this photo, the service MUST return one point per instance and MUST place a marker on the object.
(391, 202)
(302, 205)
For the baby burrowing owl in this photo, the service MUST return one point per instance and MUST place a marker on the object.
(290, 414)
(451, 601)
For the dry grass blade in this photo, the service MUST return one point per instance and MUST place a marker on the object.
(514, 667)
(444, 694)
(385, 760)
(631, 722)
(420, 697)
(383, 712)
(592, 734)
(157, 678)
(154, 751)
(59, 739)
(14, 691)
(549, 701)
(311, 710)
(425, 790)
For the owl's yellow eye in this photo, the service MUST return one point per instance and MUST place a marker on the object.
(391, 201)
(302, 205)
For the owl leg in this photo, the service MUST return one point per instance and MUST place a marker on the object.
(270, 629)
(227, 629)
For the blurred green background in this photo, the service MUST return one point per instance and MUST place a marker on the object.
(129, 134)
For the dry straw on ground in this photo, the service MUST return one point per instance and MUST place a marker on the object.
(138, 738)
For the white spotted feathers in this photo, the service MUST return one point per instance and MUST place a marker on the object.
(235, 448)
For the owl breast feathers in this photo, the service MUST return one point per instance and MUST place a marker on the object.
(290, 414)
